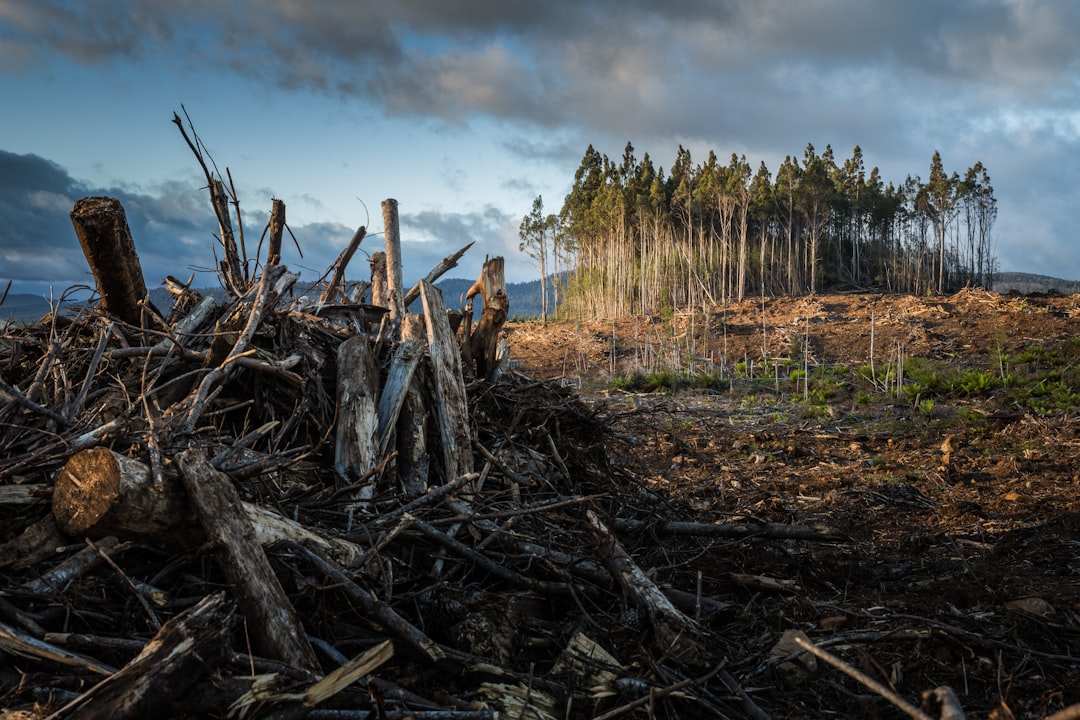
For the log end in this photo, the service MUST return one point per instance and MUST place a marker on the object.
(86, 490)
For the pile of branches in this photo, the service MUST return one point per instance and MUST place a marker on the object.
(283, 504)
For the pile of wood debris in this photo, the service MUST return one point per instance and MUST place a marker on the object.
(279, 507)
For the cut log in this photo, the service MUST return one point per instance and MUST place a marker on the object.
(272, 621)
(102, 229)
(484, 340)
(451, 405)
(356, 449)
(186, 648)
(100, 493)
(395, 293)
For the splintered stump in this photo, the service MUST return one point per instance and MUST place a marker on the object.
(102, 229)
(484, 341)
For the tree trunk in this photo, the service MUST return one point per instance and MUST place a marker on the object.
(102, 229)
(451, 404)
(356, 449)
(272, 621)
(395, 293)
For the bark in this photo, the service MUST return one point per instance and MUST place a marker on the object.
(100, 493)
(102, 229)
(272, 621)
(356, 449)
(484, 340)
(395, 293)
(379, 292)
(181, 653)
(451, 404)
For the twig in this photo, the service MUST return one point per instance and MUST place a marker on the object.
(654, 695)
(863, 678)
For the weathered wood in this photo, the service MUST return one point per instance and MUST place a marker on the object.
(379, 292)
(675, 634)
(277, 230)
(103, 232)
(272, 621)
(57, 578)
(413, 460)
(99, 493)
(334, 287)
(451, 403)
(356, 448)
(445, 265)
(395, 293)
(406, 358)
(484, 340)
(186, 648)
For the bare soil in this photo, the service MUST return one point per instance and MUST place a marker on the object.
(961, 563)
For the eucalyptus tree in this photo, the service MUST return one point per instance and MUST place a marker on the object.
(537, 235)
(939, 199)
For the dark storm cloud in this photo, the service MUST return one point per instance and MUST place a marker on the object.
(39, 249)
(764, 77)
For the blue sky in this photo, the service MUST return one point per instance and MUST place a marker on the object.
(466, 111)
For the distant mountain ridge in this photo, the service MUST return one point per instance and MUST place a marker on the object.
(524, 296)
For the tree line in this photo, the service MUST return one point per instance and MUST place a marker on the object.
(631, 238)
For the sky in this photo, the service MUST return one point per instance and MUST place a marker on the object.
(466, 111)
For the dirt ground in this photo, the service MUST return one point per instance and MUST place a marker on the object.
(958, 499)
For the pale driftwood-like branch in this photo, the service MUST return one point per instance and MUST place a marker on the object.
(863, 678)
(102, 229)
(356, 449)
(16, 642)
(445, 265)
(334, 287)
(275, 280)
(674, 633)
(451, 403)
(82, 562)
(271, 619)
(185, 649)
(395, 293)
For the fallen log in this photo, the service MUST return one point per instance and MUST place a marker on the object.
(451, 403)
(675, 634)
(272, 621)
(356, 448)
(99, 493)
(185, 649)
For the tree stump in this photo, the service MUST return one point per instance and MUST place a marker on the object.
(484, 341)
(102, 229)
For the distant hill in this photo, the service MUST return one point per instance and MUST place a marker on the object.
(524, 296)
(1026, 283)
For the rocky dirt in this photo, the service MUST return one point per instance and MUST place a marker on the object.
(938, 434)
